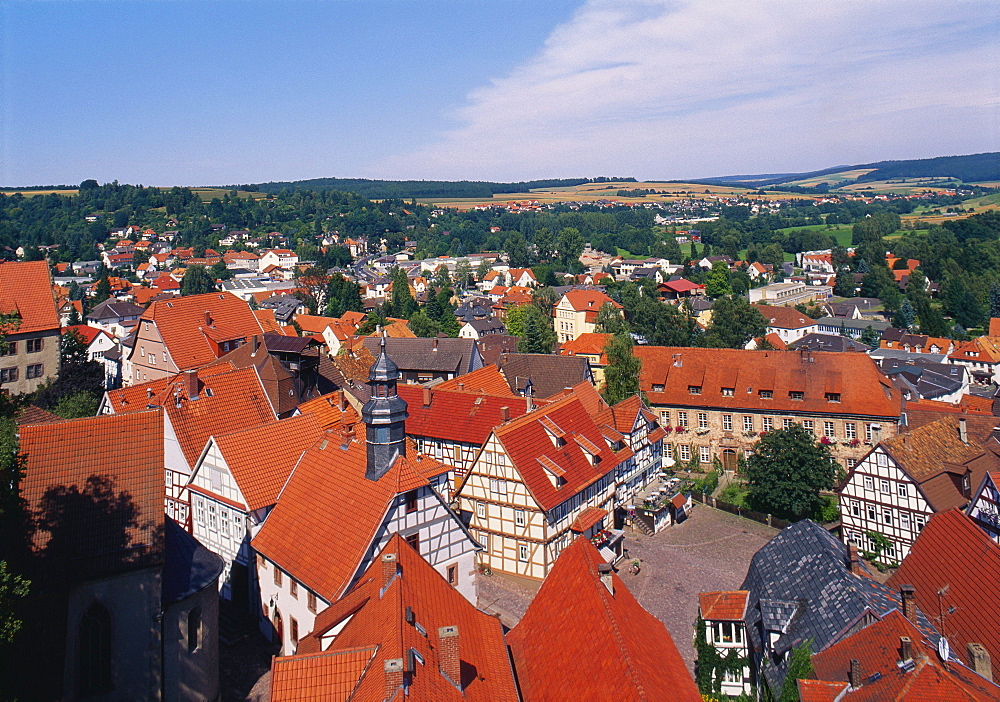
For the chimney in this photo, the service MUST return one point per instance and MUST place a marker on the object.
(208, 318)
(908, 595)
(979, 660)
(191, 384)
(678, 361)
(390, 566)
(505, 414)
(963, 433)
(448, 655)
(604, 570)
(527, 403)
(393, 677)
(256, 344)
(341, 400)
(905, 648)
(149, 392)
(427, 397)
(461, 386)
(854, 674)
(435, 343)
(853, 559)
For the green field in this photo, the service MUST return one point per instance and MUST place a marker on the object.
(840, 232)
(207, 194)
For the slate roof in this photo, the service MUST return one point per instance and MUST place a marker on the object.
(188, 566)
(801, 586)
(26, 288)
(928, 380)
(547, 373)
(579, 641)
(457, 356)
(492, 346)
(953, 552)
(113, 309)
(378, 623)
(828, 342)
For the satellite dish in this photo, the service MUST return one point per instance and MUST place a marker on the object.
(944, 650)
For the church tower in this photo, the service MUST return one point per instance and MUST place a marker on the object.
(384, 416)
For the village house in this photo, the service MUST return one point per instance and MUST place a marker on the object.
(281, 258)
(894, 490)
(981, 356)
(32, 356)
(591, 347)
(790, 294)
(115, 317)
(423, 360)
(99, 343)
(724, 615)
(901, 340)
(542, 375)
(854, 328)
(476, 329)
(717, 402)
(788, 323)
(316, 543)
(680, 288)
(576, 312)
(984, 507)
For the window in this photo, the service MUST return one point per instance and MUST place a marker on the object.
(850, 462)
(904, 519)
(883, 486)
(871, 513)
(901, 490)
(411, 501)
(828, 430)
(33, 345)
(685, 452)
(786, 423)
(293, 588)
(747, 423)
(11, 349)
(768, 423)
(8, 375)
(311, 602)
(413, 540)
(868, 432)
(855, 508)
(34, 371)
(224, 514)
(704, 454)
(668, 450)
(484, 540)
(694, 389)
(765, 394)
(808, 424)
(95, 651)
(728, 392)
(918, 521)
(519, 517)
(481, 510)
(869, 482)
(682, 419)
(795, 395)
(665, 417)
(498, 486)
(887, 515)
(850, 430)
(152, 360)
(453, 575)
(277, 576)
(727, 422)
(703, 420)
(833, 397)
(199, 509)
(194, 629)
(212, 521)
(522, 553)
(890, 549)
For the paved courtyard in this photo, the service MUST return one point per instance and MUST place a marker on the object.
(710, 551)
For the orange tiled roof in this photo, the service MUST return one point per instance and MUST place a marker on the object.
(785, 317)
(588, 300)
(453, 415)
(192, 327)
(378, 619)
(314, 324)
(588, 518)
(952, 552)
(723, 606)
(578, 641)
(26, 289)
(487, 380)
(319, 677)
(135, 397)
(331, 410)
(86, 332)
(320, 536)
(590, 344)
(863, 390)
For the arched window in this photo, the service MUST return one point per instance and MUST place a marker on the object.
(95, 651)
(194, 629)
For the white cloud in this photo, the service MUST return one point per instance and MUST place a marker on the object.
(661, 89)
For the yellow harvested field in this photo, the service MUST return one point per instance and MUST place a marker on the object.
(33, 193)
(834, 179)
(911, 186)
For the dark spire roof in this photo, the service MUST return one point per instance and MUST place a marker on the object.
(384, 369)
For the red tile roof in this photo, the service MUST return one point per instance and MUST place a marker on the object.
(487, 380)
(589, 344)
(588, 518)
(332, 410)
(321, 535)
(723, 606)
(457, 416)
(863, 390)
(26, 289)
(136, 397)
(319, 677)
(579, 641)
(192, 327)
(378, 620)
(588, 300)
(952, 552)
(681, 285)
(785, 317)
(87, 333)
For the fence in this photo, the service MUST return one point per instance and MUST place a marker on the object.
(767, 519)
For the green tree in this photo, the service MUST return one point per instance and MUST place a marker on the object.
(516, 248)
(422, 325)
(870, 337)
(994, 299)
(734, 323)
(610, 320)
(571, 243)
(538, 335)
(196, 281)
(621, 376)
(403, 304)
(844, 286)
(220, 271)
(717, 283)
(905, 317)
(786, 472)
(800, 667)
(102, 291)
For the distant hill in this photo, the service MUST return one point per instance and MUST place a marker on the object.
(972, 168)
(406, 189)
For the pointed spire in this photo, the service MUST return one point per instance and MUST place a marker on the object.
(384, 416)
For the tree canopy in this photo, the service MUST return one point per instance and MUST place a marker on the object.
(786, 472)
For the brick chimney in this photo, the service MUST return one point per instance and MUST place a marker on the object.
(448, 655)
(604, 570)
(191, 384)
(390, 566)
(208, 318)
(393, 677)
(908, 595)
(256, 344)
(905, 648)
(979, 660)
(854, 674)
(428, 395)
(854, 560)
(505, 414)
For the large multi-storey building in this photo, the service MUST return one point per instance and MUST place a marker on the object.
(716, 403)
(31, 356)
(576, 312)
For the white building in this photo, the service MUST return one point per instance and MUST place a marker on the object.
(725, 631)
(985, 505)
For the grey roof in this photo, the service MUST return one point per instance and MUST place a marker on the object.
(114, 309)
(855, 324)
(800, 586)
(244, 284)
(900, 353)
(547, 374)
(188, 566)
(486, 326)
(458, 356)
(928, 379)
(828, 342)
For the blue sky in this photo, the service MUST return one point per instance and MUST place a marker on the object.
(196, 93)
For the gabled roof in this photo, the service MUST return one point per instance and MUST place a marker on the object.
(723, 606)
(580, 641)
(589, 343)
(588, 300)
(438, 354)
(378, 624)
(785, 317)
(954, 555)
(331, 410)
(260, 458)
(192, 327)
(114, 309)
(95, 488)
(87, 333)
(321, 535)
(548, 373)
(487, 380)
(453, 415)
(26, 289)
(876, 648)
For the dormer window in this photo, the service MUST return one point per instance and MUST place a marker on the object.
(795, 395)
(833, 397)
(728, 392)
(657, 388)
(694, 389)
(765, 394)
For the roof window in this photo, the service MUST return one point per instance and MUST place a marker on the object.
(694, 389)
(833, 397)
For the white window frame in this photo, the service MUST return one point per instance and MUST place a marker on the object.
(850, 430)
(523, 553)
(481, 510)
(829, 430)
(703, 420)
(747, 422)
(704, 454)
(519, 519)
(727, 422)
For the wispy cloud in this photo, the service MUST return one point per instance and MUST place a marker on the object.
(686, 88)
